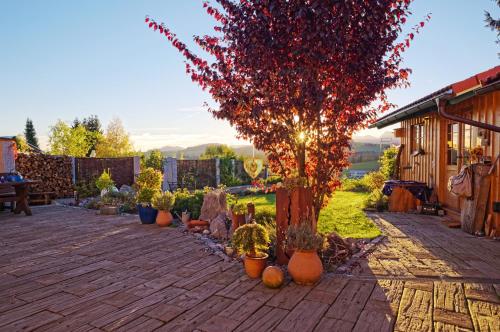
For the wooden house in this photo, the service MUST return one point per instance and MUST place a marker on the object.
(439, 131)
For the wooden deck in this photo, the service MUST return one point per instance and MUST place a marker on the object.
(66, 269)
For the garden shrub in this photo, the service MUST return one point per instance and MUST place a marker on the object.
(376, 200)
(104, 181)
(374, 180)
(388, 162)
(149, 178)
(354, 185)
(273, 179)
(188, 201)
(87, 189)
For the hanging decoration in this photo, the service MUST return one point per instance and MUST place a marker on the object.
(253, 166)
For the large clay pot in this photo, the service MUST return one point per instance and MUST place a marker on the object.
(164, 218)
(147, 214)
(255, 265)
(238, 220)
(305, 267)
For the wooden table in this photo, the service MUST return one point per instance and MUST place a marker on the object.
(21, 189)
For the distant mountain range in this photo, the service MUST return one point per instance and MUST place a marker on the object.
(360, 144)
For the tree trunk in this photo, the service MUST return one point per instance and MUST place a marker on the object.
(301, 160)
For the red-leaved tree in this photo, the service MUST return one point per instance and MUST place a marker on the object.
(298, 77)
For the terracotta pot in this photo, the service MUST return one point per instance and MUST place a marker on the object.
(164, 218)
(255, 265)
(305, 267)
(201, 223)
(238, 220)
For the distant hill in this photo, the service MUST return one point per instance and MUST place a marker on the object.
(364, 144)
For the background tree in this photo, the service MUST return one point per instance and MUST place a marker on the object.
(94, 131)
(65, 140)
(115, 142)
(297, 78)
(493, 24)
(22, 145)
(30, 133)
(218, 151)
(154, 160)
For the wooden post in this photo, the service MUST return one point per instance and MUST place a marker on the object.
(292, 207)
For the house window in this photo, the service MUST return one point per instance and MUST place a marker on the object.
(418, 137)
(452, 148)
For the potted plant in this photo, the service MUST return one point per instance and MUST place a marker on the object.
(163, 202)
(239, 211)
(252, 240)
(110, 203)
(105, 183)
(305, 266)
(147, 213)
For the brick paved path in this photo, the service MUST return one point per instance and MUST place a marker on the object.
(66, 269)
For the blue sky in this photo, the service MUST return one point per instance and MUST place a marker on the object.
(66, 59)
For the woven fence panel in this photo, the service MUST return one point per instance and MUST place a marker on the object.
(196, 174)
(121, 169)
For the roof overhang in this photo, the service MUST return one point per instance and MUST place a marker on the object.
(455, 93)
(420, 108)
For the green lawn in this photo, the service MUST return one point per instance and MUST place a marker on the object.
(342, 215)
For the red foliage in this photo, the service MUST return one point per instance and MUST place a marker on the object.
(297, 78)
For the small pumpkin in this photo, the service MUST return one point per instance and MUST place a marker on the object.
(273, 277)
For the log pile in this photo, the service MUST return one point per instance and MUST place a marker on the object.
(53, 172)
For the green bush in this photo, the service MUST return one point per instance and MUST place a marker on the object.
(104, 181)
(163, 201)
(273, 179)
(251, 239)
(240, 208)
(265, 216)
(354, 185)
(188, 201)
(374, 180)
(145, 196)
(376, 200)
(87, 189)
(149, 178)
(388, 162)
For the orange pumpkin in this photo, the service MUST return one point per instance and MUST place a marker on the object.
(273, 277)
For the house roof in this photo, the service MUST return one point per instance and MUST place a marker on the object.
(427, 104)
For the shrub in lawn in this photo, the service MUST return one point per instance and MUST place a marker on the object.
(354, 185)
(376, 200)
(374, 180)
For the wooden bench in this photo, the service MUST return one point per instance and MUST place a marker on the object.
(7, 195)
(42, 198)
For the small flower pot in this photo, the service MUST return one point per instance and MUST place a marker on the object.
(109, 210)
(147, 214)
(305, 267)
(254, 266)
(164, 218)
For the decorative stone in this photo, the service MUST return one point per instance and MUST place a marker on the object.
(214, 203)
(218, 227)
(206, 232)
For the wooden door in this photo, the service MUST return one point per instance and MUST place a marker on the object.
(452, 161)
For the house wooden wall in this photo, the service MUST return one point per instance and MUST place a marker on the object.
(431, 167)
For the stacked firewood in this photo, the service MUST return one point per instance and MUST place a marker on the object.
(54, 173)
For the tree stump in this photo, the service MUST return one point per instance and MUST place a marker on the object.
(292, 207)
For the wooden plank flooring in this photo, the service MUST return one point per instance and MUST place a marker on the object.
(67, 269)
